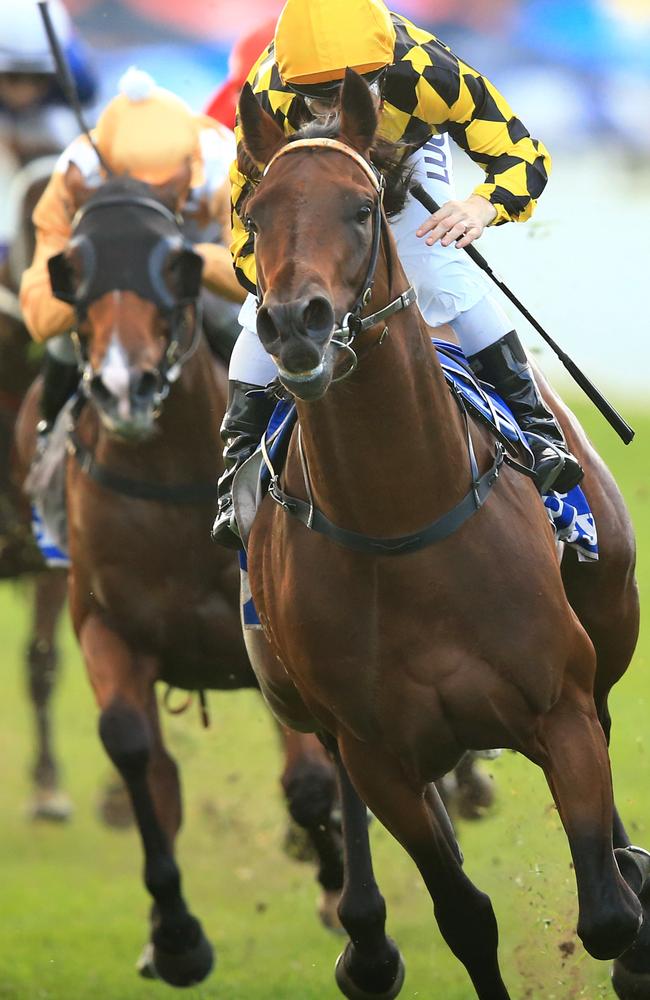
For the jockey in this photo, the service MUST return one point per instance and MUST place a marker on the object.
(150, 134)
(424, 95)
(34, 117)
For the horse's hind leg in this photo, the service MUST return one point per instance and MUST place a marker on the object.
(576, 764)
(49, 593)
(309, 783)
(607, 604)
(417, 819)
(130, 733)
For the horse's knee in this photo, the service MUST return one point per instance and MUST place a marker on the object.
(126, 736)
(310, 790)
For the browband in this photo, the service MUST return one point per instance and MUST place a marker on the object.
(323, 143)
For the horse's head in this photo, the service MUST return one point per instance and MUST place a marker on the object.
(134, 283)
(317, 219)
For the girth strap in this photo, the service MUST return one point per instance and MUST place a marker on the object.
(436, 532)
(182, 493)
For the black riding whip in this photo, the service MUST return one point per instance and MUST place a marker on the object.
(66, 81)
(622, 428)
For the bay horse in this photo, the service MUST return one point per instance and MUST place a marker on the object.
(19, 556)
(151, 598)
(403, 645)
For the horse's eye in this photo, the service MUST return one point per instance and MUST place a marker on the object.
(364, 213)
(250, 225)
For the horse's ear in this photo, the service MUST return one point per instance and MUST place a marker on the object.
(358, 113)
(62, 278)
(263, 137)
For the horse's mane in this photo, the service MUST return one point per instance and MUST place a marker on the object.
(389, 158)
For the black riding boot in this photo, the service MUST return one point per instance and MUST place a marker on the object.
(505, 366)
(60, 382)
(244, 422)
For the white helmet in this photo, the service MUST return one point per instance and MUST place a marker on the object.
(24, 47)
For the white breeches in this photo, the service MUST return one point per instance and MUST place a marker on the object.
(449, 286)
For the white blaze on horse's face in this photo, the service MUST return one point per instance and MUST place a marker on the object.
(115, 375)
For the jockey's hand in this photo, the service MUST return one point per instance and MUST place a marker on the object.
(459, 222)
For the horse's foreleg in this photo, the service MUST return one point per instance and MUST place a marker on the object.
(417, 819)
(309, 783)
(576, 764)
(371, 965)
(128, 727)
(42, 665)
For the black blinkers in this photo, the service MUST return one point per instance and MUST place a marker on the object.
(125, 240)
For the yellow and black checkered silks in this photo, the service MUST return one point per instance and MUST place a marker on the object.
(428, 90)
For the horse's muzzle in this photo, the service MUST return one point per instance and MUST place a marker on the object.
(132, 412)
(297, 332)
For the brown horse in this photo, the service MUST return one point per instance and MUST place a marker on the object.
(18, 553)
(407, 645)
(151, 598)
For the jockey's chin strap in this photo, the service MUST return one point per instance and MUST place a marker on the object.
(352, 324)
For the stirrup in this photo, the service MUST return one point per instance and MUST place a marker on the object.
(555, 468)
(224, 530)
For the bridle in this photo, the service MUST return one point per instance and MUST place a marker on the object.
(348, 330)
(352, 324)
(182, 344)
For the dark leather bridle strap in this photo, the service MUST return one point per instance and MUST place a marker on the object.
(182, 493)
(436, 532)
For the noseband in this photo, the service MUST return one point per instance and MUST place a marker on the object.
(352, 324)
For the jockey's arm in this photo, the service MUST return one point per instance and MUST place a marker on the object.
(44, 315)
(480, 120)
(218, 273)
(242, 245)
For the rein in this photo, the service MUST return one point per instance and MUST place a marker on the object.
(182, 494)
(351, 326)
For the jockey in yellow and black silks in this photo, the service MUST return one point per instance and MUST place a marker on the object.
(425, 95)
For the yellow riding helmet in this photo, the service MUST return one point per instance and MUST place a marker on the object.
(149, 132)
(316, 40)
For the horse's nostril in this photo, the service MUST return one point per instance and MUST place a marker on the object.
(318, 318)
(99, 391)
(267, 331)
(145, 386)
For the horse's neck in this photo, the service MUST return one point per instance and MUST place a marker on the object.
(386, 450)
(187, 445)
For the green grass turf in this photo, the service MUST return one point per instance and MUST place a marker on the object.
(73, 909)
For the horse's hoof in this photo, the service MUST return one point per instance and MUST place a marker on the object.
(352, 991)
(630, 985)
(188, 967)
(328, 911)
(144, 966)
(114, 807)
(50, 805)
